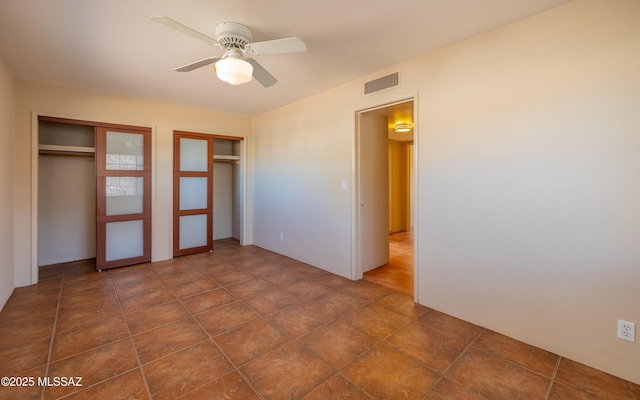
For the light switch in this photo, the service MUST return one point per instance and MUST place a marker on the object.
(344, 184)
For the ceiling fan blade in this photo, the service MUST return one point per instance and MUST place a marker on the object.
(278, 46)
(260, 74)
(166, 21)
(197, 64)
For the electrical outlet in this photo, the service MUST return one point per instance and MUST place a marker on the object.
(281, 236)
(626, 330)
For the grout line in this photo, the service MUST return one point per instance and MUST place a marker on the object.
(135, 351)
(553, 378)
(53, 332)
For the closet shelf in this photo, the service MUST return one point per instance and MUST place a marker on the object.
(54, 148)
(224, 157)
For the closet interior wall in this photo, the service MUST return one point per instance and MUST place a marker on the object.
(66, 193)
(226, 189)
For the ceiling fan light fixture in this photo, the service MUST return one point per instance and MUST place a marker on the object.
(234, 70)
(402, 127)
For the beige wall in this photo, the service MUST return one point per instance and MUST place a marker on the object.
(399, 186)
(79, 104)
(7, 179)
(527, 180)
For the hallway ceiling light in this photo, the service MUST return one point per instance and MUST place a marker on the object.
(402, 127)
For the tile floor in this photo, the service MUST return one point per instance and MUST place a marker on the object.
(398, 273)
(246, 323)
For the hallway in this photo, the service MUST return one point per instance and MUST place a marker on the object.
(398, 274)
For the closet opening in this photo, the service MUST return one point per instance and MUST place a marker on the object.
(93, 187)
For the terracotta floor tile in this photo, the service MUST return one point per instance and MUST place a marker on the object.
(402, 304)
(251, 288)
(227, 317)
(154, 317)
(232, 277)
(495, 378)
(88, 336)
(35, 296)
(215, 269)
(21, 333)
(336, 388)
(366, 290)
(267, 268)
(306, 289)
(272, 301)
(562, 392)
(50, 271)
(16, 360)
(168, 339)
(93, 366)
(436, 350)
(594, 382)
(207, 300)
(88, 298)
(338, 343)
(277, 374)
(177, 277)
(185, 371)
(127, 270)
(122, 280)
(520, 353)
(285, 277)
(386, 373)
(249, 341)
(127, 386)
(300, 319)
(101, 282)
(87, 315)
(446, 324)
(375, 321)
(230, 387)
(25, 392)
(448, 390)
(332, 280)
(138, 286)
(32, 310)
(190, 288)
(147, 299)
(337, 303)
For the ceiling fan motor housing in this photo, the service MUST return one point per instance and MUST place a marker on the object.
(233, 34)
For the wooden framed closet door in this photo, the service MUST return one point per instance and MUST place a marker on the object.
(123, 196)
(192, 193)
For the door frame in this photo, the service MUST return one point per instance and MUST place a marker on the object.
(356, 270)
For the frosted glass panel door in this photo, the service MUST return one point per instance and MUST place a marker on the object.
(192, 193)
(123, 212)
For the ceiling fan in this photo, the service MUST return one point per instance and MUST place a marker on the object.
(235, 39)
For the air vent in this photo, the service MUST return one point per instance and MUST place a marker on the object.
(381, 83)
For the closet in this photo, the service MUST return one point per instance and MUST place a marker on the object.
(94, 193)
(207, 191)
(226, 189)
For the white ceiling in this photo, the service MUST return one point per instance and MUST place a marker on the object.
(112, 46)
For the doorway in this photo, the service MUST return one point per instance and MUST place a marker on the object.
(385, 196)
